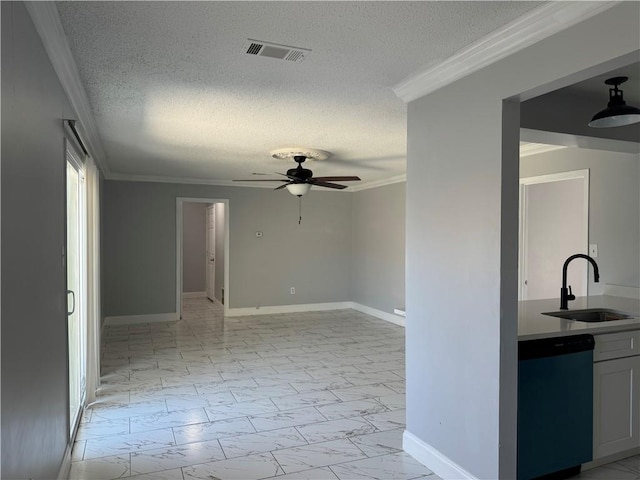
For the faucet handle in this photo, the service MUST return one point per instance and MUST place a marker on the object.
(570, 296)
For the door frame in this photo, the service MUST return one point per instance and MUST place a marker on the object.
(180, 201)
(210, 280)
(73, 158)
(583, 175)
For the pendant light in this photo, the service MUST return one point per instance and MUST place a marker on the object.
(617, 113)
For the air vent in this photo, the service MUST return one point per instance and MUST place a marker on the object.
(274, 50)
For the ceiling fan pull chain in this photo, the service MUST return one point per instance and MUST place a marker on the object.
(300, 209)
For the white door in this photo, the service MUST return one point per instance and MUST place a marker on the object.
(554, 226)
(210, 252)
(76, 318)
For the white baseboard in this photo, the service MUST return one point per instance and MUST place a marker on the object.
(268, 310)
(194, 294)
(134, 319)
(374, 312)
(621, 291)
(65, 468)
(275, 309)
(431, 458)
(315, 307)
(610, 459)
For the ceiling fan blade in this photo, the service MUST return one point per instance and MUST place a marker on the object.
(262, 180)
(284, 185)
(274, 173)
(314, 181)
(338, 179)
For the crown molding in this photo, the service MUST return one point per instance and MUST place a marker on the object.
(578, 141)
(47, 22)
(528, 148)
(524, 31)
(379, 183)
(230, 183)
(186, 180)
(190, 181)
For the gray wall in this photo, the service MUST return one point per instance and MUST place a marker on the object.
(34, 342)
(614, 209)
(378, 250)
(462, 235)
(219, 253)
(194, 248)
(140, 254)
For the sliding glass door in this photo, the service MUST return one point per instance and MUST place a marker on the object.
(76, 316)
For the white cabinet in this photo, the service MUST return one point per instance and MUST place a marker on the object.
(616, 422)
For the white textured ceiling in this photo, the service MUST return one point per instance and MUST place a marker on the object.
(174, 95)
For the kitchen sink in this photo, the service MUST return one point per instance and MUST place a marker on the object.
(592, 315)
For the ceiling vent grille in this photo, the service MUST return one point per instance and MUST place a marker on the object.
(274, 50)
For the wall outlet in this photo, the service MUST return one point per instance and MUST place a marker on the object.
(293, 290)
(593, 250)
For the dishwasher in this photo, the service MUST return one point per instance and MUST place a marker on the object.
(555, 406)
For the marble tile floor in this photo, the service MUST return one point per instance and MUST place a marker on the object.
(626, 469)
(306, 396)
(317, 395)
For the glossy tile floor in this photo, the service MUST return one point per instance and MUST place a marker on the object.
(294, 396)
(297, 396)
(627, 469)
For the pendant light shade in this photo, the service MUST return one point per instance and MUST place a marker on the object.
(617, 113)
(299, 189)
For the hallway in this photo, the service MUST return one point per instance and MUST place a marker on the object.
(316, 395)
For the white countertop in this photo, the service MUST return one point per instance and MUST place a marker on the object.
(533, 324)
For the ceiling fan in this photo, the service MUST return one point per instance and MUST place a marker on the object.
(300, 180)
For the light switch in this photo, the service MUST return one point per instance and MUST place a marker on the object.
(593, 250)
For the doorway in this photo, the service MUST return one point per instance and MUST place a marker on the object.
(202, 266)
(554, 224)
(76, 288)
(210, 252)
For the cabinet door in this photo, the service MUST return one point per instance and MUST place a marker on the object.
(616, 425)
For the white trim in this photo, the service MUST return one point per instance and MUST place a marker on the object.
(194, 294)
(598, 462)
(530, 28)
(275, 309)
(198, 181)
(557, 177)
(400, 311)
(621, 291)
(315, 307)
(374, 312)
(553, 177)
(434, 460)
(136, 319)
(231, 183)
(185, 180)
(529, 148)
(179, 203)
(578, 141)
(65, 467)
(378, 183)
(47, 22)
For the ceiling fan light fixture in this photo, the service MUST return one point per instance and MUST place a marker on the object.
(617, 113)
(299, 189)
